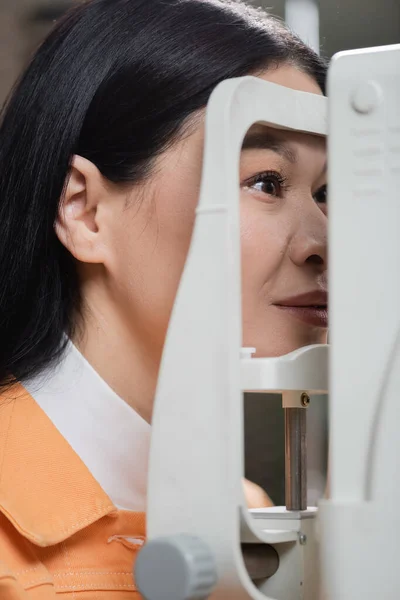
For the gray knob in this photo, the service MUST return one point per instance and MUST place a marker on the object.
(179, 567)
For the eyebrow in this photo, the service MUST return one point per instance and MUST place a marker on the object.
(259, 140)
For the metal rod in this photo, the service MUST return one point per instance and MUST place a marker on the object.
(295, 459)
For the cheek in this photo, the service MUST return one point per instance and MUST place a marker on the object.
(264, 240)
(175, 214)
(152, 249)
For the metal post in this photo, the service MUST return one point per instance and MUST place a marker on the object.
(295, 459)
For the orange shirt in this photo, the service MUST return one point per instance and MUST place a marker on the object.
(59, 531)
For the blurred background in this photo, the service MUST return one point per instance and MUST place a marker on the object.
(342, 25)
(331, 26)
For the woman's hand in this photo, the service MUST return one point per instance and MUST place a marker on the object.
(255, 495)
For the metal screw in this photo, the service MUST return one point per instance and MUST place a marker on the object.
(305, 399)
(302, 539)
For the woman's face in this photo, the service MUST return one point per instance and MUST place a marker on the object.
(283, 236)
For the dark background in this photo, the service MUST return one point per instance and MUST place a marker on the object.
(344, 25)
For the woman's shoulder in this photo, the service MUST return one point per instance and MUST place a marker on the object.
(47, 498)
(18, 411)
(38, 470)
(10, 393)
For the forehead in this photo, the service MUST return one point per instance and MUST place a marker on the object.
(291, 77)
(192, 139)
(294, 78)
(288, 143)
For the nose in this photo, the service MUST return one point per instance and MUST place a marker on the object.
(309, 247)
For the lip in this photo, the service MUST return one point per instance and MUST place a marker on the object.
(311, 307)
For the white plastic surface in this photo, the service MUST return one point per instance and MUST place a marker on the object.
(196, 458)
(360, 524)
(197, 451)
(304, 369)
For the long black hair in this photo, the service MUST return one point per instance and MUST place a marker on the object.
(113, 82)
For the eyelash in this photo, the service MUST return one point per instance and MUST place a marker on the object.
(265, 176)
(282, 183)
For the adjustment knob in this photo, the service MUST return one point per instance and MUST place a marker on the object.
(179, 567)
(366, 97)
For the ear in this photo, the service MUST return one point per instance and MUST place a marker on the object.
(78, 225)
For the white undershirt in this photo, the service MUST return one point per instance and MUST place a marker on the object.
(107, 434)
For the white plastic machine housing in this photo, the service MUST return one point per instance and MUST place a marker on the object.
(196, 458)
(197, 453)
(360, 522)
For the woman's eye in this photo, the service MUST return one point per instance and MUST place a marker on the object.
(268, 183)
(321, 196)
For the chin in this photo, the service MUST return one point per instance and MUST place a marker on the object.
(278, 341)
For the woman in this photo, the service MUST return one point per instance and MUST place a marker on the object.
(100, 163)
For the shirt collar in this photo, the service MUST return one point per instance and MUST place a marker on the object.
(107, 434)
(46, 491)
(71, 451)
